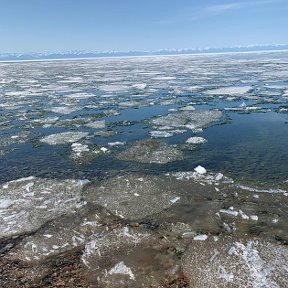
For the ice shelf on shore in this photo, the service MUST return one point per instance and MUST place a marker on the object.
(168, 222)
(133, 196)
(231, 262)
(30, 202)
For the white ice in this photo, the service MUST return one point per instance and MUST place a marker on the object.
(201, 170)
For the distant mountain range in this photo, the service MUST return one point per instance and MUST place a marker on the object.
(86, 54)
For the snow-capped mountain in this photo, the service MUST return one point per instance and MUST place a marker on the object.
(169, 51)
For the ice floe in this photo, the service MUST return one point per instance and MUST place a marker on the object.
(64, 110)
(233, 90)
(96, 124)
(151, 151)
(192, 120)
(63, 138)
(196, 140)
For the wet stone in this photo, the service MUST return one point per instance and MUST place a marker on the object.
(151, 151)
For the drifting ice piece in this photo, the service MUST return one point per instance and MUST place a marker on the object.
(199, 169)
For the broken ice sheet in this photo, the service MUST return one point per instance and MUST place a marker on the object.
(151, 151)
(231, 262)
(129, 257)
(30, 202)
(63, 234)
(132, 196)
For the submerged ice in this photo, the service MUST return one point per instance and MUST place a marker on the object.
(151, 151)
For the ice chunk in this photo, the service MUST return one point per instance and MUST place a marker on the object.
(187, 108)
(199, 169)
(64, 109)
(193, 120)
(121, 268)
(79, 148)
(116, 143)
(202, 237)
(233, 90)
(229, 212)
(219, 176)
(139, 86)
(104, 149)
(243, 105)
(96, 124)
(160, 134)
(5, 203)
(81, 95)
(63, 138)
(243, 215)
(174, 200)
(254, 217)
(196, 140)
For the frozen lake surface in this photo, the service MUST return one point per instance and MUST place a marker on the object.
(159, 156)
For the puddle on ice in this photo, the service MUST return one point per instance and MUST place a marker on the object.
(187, 169)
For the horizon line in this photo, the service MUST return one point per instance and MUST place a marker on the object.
(146, 56)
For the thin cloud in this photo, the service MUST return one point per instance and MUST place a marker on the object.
(185, 16)
(221, 8)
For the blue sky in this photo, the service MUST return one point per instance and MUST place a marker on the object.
(97, 25)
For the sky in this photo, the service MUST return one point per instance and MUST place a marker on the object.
(123, 25)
